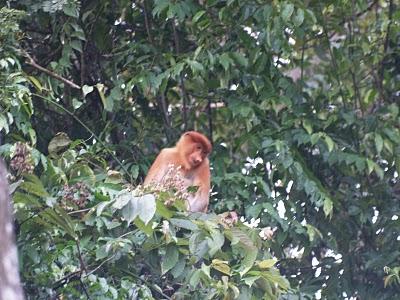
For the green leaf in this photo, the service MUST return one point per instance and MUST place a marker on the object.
(59, 218)
(147, 229)
(77, 45)
(122, 199)
(215, 242)
(329, 142)
(130, 210)
(198, 16)
(26, 199)
(240, 239)
(307, 126)
(170, 258)
(70, 9)
(107, 101)
(299, 17)
(378, 143)
(225, 61)
(146, 207)
(36, 83)
(186, 224)
(81, 172)
(287, 11)
(195, 66)
(328, 207)
(87, 89)
(59, 143)
(313, 232)
(221, 266)
(267, 264)
(34, 186)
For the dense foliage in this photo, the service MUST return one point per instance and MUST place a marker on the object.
(300, 99)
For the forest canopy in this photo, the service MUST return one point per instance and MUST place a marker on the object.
(300, 100)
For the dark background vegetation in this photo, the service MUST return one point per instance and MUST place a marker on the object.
(300, 100)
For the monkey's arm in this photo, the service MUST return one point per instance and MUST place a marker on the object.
(202, 180)
(159, 167)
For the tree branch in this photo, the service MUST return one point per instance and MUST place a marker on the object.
(32, 63)
(182, 83)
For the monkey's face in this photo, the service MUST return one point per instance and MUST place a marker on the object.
(196, 155)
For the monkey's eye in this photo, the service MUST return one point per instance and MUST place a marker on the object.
(198, 147)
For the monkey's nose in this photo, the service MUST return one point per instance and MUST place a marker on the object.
(197, 160)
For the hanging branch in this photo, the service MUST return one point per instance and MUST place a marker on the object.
(32, 63)
(146, 23)
(161, 102)
(185, 97)
(385, 49)
(333, 59)
(350, 26)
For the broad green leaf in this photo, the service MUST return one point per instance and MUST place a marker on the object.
(378, 143)
(36, 83)
(287, 11)
(130, 211)
(82, 173)
(147, 229)
(70, 9)
(221, 266)
(107, 101)
(307, 126)
(122, 199)
(34, 186)
(225, 61)
(198, 16)
(146, 207)
(298, 18)
(186, 224)
(170, 258)
(329, 142)
(62, 220)
(26, 199)
(77, 45)
(215, 242)
(328, 207)
(313, 232)
(59, 143)
(87, 89)
(250, 280)
(266, 264)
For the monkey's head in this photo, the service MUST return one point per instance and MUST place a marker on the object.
(195, 147)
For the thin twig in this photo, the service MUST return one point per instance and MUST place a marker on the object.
(150, 285)
(303, 47)
(66, 279)
(82, 263)
(182, 83)
(350, 26)
(84, 288)
(147, 23)
(32, 63)
(164, 109)
(100, 265)
(385, 48)
(333, 59)
(78, 211)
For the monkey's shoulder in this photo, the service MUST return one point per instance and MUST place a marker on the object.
(168, 152)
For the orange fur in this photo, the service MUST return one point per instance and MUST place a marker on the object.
(190, 156)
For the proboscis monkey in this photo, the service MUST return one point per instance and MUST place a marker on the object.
(189, 157)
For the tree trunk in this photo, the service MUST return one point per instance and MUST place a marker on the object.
(10, 287)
